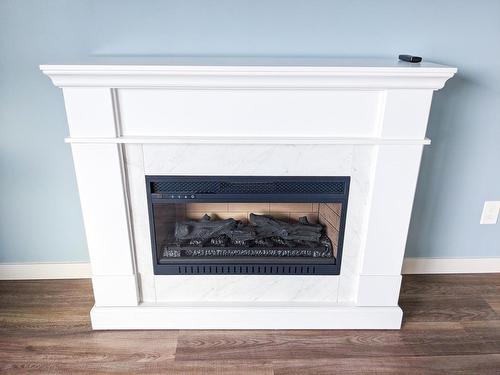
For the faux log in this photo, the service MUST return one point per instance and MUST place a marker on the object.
(267, 226)
(205, 229)
(263, 231)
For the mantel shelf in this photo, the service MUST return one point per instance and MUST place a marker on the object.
(247, 73)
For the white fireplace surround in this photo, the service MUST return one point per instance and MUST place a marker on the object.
(284, 117)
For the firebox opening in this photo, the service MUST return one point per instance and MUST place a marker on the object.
(264, 225)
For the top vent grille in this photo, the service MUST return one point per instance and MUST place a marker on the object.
(250, 187)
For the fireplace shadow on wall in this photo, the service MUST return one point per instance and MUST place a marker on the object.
(246, 224)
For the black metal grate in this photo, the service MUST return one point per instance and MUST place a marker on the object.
(268, 187)
(247, 270)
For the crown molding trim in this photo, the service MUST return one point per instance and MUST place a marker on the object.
(363, 76)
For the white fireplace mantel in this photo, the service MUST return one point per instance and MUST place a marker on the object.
(364, 118)
(255, 73)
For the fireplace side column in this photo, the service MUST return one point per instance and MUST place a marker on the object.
(101, 179)
(403, 115)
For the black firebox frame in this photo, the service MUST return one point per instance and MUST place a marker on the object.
(250, 189)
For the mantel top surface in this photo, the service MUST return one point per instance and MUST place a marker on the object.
(246, 73)
(247, 63)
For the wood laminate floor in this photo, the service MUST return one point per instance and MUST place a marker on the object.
(452, 326)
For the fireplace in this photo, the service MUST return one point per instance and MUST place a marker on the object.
(247, 225)
(247, 193)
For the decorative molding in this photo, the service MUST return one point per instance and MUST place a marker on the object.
(450, 265)
(251, 140)
(30, 271)
(21, 271)
(300, 74)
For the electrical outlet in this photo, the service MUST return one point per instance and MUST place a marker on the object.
(490, 212)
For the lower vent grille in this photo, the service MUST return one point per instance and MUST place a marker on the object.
(247, 270)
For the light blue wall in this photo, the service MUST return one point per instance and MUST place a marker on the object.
(40, 216)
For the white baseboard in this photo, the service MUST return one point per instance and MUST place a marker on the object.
(27, 271)
(30, 271)
(450, 265)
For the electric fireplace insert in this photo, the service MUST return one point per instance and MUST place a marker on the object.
(247, 225)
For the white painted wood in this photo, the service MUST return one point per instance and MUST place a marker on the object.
(360, 118)
(257, 63)
(393, 187)
(32, 271)
(451, 265)
(246, 316)
(405, 114)
(115, 290)
(262, 73)
(102, 195)
(90, 112)
(278, 140)
(248, 113)
(378, 290)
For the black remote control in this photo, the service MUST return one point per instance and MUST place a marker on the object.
(410, 58)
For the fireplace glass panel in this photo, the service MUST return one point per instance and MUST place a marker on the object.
(226, 232)
(295, 231)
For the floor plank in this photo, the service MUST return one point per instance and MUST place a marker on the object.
(494, 302)
(416, 339)
(457, 285)
(452, 326)
(446, 308)
(437, 365)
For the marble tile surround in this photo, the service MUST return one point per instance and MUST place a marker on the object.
(279, 160)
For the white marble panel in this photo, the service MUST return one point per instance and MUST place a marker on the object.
(256, 160)
(302, 160)
(356, 221)
(246, 288)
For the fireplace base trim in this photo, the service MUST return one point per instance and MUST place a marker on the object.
(113, 290)
(244, 316)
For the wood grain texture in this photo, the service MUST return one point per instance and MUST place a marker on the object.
(452, 326)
